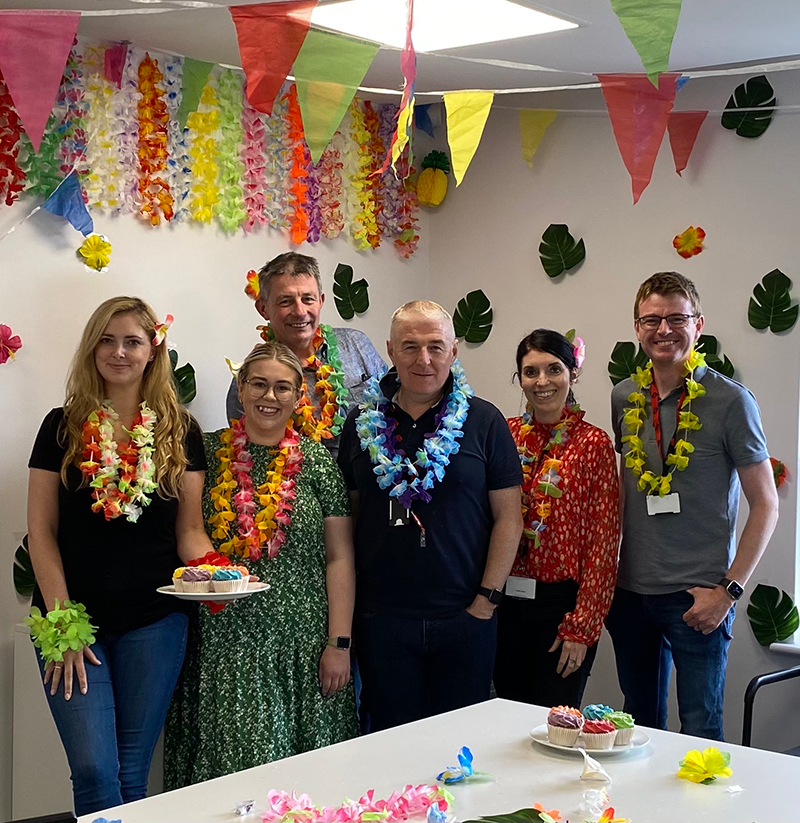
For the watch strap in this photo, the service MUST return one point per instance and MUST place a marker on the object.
(340, 642)
(494, 596)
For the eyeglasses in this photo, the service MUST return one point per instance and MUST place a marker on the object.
(674, 321)
(259, 388)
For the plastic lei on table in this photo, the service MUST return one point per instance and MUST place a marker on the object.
(363, 223)
(11, 175)
(299, 173)
(179, 164)
(331, 207)
(231, 211)
(254, 163)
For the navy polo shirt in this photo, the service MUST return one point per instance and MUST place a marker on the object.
(395, 574)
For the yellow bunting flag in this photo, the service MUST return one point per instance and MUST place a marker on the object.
(533, 124)
(466, 116)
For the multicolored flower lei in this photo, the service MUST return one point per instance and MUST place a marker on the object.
(121, 477)
(538, 488)
(262, 527)
(407, 480)
(634, 418)
(329, 385)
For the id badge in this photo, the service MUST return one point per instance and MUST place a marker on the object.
(399, 515)
(668, 504)
(522, 587)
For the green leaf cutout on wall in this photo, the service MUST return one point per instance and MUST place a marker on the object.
(473, 317)
(24, 580)
(350, 297)
(771, 305)
(184, 379)
(710, 348)
(558, 250)
(753, 93)
(773, 614)
(625, 359)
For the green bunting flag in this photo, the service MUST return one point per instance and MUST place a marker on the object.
(195, 77)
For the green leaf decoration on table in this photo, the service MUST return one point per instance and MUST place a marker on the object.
(625, 359)
(753, 93)
(350, 297)
(710, 348)
(771, 305)
(184, 379)
(558, 250)
(473, 317)
(24, 579)
(773, 614)
(520, 816)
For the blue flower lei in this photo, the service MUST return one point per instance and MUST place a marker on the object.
(407, 480)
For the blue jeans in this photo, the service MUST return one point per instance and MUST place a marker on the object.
(110, 732)
(649, 634)
(413, 668)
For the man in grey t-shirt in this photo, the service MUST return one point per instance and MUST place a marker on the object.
(680, 571)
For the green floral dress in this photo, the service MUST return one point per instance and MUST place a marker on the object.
(249, 692)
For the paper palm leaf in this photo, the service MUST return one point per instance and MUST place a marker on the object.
(625, 359)
(473, 317)
(558, 250)
(24, 579)
(184, 379)
(521, 816)
(773, 614)
(710, 348)
(350, 297)
(771, 305)
(753, 93)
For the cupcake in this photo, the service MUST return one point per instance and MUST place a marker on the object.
(245, 572)
(567, 709)
(228, 580)
(195, 580)
(596, 711)
(623, 723)
(599, 734)
(176, 578)
(563, 727)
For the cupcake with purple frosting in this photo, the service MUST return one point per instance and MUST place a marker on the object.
(228, 580)
(195, 580)
(563, 727)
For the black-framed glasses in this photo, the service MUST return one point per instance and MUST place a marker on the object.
(257, 388)
(674, 321)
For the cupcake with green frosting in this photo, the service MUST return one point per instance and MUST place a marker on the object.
(623, 723)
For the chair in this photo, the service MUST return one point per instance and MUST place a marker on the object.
(750, 695)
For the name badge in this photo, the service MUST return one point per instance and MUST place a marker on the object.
(523, 587)
(399, 515)
(668, 504)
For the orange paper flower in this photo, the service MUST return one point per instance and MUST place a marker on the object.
(689, 242)
(778, 472)
(252, 288)
(553, 813)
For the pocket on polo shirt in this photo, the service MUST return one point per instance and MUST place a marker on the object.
(356, 386)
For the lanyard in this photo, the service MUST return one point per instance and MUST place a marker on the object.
(657, 422)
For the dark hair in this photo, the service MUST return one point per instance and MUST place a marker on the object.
(550, 342)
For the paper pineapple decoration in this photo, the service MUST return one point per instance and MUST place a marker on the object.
(432, 182)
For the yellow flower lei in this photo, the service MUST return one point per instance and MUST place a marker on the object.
(635, 415)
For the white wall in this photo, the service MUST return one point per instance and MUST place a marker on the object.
(744, 193)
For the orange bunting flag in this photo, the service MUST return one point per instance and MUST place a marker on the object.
(639, 114)
(270, 36)
(683, 127)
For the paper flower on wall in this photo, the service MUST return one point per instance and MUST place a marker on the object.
(706, 766)
(778, 472)
(9, 343)
(252, 289)
(96, 252)
(690, 242)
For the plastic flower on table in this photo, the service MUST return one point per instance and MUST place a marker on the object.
(690, 242)
(96, 252)
(547, 816)
(9, 343)
(464, 770)
(704, 767)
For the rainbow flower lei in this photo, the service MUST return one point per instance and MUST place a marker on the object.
(121, 477)
(409, 480)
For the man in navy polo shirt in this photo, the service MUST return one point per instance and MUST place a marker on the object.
(434, 477)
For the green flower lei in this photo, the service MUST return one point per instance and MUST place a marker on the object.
(60, 630)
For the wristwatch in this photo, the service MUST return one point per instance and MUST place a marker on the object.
(494, 596)
(340, 642)
(735, 589)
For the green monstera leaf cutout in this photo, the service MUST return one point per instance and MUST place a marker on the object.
(558, 250)
(350, 297)
(24, 579)
(184, 379)
(771, 305)
(773, 614)
(755, 93)
(520, 816)
(625, 359)
(709, 345)
(473, 317)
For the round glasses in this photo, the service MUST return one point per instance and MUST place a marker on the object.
(674, 321)
(257, 388)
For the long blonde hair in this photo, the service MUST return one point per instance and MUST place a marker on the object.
(86, 393)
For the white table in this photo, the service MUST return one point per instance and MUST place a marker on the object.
(644, 786)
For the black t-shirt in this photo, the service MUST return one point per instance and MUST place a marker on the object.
(395, 574)
(113, 567)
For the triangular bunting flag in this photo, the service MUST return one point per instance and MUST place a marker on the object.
(34, 47)
(422, 119)
(270, 36)
(195, 77)
(533, 124)
(67, 202)
(328, 70)
(683, 128)
(650, 26)
(466, 116)
(639, 114)
(114, 63)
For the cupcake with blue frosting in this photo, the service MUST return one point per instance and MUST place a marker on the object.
(228, 580)
(597, 711)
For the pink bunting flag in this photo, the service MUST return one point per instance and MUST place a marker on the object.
(34, 46)
(114, 63)
(683, 127)
(639, 114)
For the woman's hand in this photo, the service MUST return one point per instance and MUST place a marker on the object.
(572, 655)
(334, 670)
(72, 665)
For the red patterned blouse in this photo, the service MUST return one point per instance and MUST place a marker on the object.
(581, 538)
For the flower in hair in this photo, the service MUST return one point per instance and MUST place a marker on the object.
(579, 350)
(252, 289)
(161, 330)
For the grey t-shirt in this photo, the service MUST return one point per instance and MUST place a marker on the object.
(672, 552)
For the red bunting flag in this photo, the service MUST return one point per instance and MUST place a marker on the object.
(114, 63)
(270, 36)
(639, 113)
(683, 127)
(34, 46)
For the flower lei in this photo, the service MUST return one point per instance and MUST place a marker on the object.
(267, 526)
(634, 418)
(409, 480)
(60, 630)
(329, 384)
(538, 488)
(121, 477)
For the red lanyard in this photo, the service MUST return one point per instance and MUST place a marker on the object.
(657, 421)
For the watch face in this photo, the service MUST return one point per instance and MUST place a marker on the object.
(342, 642)
(735, 590)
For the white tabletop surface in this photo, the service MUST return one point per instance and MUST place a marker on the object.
(644, 788)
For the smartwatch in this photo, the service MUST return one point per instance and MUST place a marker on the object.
(494, 596)
(735, 589)
(340, 642)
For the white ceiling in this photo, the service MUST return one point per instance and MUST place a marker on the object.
(710, 33)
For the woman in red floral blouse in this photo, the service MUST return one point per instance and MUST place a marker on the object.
(563, 579)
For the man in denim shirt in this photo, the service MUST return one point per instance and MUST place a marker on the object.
(291, 299)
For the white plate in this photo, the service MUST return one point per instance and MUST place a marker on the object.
(252, 588)
(640, 739)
